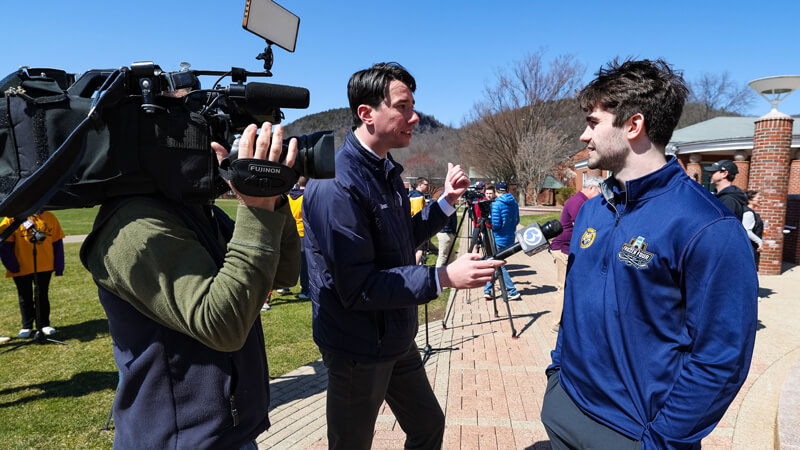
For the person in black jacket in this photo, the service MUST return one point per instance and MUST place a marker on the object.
(724, 172)
(365, 288)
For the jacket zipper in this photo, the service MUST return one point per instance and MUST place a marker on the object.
(379, 325)
(234, 381)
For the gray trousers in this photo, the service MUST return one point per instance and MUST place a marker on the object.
(569, 428)
(356, 391)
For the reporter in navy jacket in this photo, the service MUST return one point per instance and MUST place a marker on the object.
(364, 286)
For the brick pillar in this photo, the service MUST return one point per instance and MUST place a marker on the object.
(694, 169)
(769, 175)
(742, 178)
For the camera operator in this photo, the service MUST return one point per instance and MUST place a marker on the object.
(365, 288)
(182, 286)
(488, 193)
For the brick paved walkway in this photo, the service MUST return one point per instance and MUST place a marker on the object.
(491, 386)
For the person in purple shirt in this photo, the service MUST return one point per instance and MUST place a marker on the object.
(560, 244)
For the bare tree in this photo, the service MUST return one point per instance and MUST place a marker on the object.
(537, 155)
(714, 95)
(526, 104)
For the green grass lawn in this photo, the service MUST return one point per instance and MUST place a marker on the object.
(76, 221)
(539, 218)
(54, 396)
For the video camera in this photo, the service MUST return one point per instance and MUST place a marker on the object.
(68, 141)
(472, 195)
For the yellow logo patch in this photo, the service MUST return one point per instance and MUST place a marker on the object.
(588, 237)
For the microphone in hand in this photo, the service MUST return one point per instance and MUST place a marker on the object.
(532, 239)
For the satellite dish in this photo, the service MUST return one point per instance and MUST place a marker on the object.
(776, 89)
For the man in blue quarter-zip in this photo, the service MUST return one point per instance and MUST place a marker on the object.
(660, 300)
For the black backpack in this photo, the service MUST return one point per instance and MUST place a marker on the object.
(70, 147)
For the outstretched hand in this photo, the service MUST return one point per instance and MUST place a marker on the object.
(455, 183)
(268, 147)
(468, 271)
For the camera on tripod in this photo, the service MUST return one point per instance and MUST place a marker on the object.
(485, 207)
(472, 195)
(71, 141)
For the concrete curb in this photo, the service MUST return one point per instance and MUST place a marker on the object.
(789, 411)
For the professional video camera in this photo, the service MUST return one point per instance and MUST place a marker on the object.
(472, 195)
(68, 141)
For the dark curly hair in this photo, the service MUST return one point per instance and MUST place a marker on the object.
(650, 88)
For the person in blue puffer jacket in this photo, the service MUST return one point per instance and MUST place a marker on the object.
(505, 218)
(661, 293)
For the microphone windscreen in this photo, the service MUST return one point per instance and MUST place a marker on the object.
(277, 95)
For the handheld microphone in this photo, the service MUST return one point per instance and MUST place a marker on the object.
(270, 95)
(532, 239)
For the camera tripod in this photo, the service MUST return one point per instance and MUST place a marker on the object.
(39, 337)
(427, 350)
(486, 239)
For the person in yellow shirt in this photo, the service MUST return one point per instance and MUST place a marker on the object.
(418, 198)
(40, 233)
(296, 204)
(417, 195)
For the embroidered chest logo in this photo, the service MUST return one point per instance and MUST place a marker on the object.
(635, 253)
(588, 237)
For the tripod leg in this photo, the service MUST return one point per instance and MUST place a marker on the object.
(426, 350)
(499, 275)
(494, 295)
(108, 421)
(505, 299)
(488, 250)
(449, 309)
(111, 410)
(464, 217)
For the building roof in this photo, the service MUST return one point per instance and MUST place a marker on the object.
(550, 182)
(720, 134)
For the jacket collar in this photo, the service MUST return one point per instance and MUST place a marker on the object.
(642, 188)
(387, 167)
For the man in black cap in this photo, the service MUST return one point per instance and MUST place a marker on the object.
(724, 172)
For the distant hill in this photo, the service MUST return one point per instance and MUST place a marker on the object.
(340, 121)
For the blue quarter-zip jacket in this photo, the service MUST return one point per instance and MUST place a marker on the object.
(359, 242)
(659, 311)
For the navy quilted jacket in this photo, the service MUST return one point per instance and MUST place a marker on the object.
(359, 243)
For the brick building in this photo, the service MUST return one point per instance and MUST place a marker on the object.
(766, 151)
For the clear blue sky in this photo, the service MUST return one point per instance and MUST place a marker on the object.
(453, 48)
